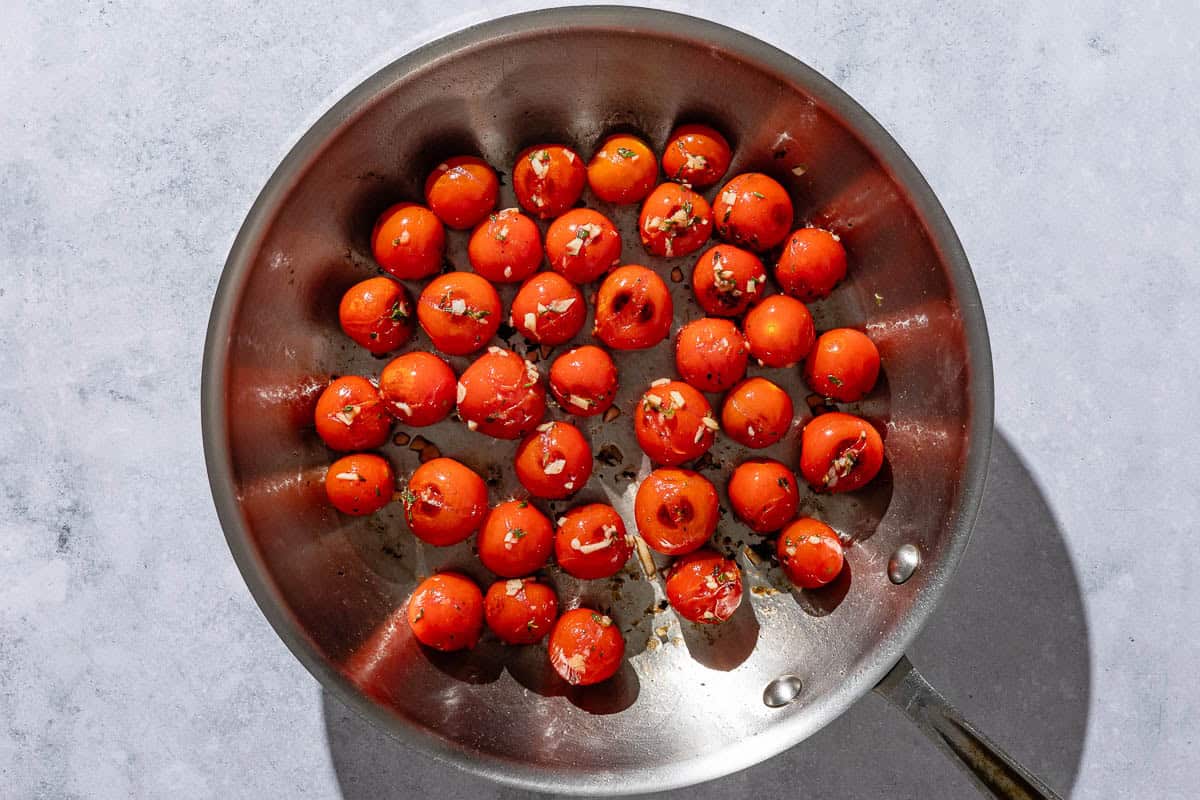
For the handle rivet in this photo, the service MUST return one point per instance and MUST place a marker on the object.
(781, 691)
(903, 563)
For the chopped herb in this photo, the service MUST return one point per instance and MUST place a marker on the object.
(878, 299)
(783, 483)
(759, 195)
(478, 314)
(625, 152)
(596, 618)
(517, 533)
(419, 615)
(407, 497)
(501, 236)
(834, 379)
(396, 242)
(398, 312)
(348, 409)
(523, 504)
(373, 335)
(377, 493)
(582, 233)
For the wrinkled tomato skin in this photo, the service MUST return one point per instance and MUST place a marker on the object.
(586, 647)
(676, 510)
(826, 438)
(445, 502)
(591, 525)
(764, 494)
(704, 587)
(378, 314)
(810, 553)
(501, 394)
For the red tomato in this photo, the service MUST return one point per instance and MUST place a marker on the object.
(445, 502)
(548, 309)
(516, 539)
(763, 494)
(780, 331)
(548, 179)
(586, 647)
(360, 484)
(811, 264)
(445, 612)
(757, 413)
(696, 154)
(704, 587)
(623, 170)
(674, 423)
(418, 388)
(506, 247)
(378, 314)
(675, 221)
(408, 241)
(591, 542)
(501, 395)
(462, 191)
(676, 510)
(584, 381)
(582, 245)
(555, 461)
(350, 415)
(840, 452)
(728, 280)
(633, 309)
(843, 364)
(460, 312)
(711, 354)
(520, 611)
(753, 211)
(810, 553)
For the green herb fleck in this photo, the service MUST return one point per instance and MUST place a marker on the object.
(878, 299)
(517, 533)
(478, 314)
(581, 233)
(523, 504)
(348, 409)
(625, 152)
(834, 379)
(783, 483)
(759, 195)
(398, 312)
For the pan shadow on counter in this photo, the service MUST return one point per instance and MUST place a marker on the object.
(1008, 645)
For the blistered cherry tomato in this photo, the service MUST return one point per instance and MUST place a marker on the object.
(516, 539)
(591, 543)
(506, 247)
(811, 264)
(409, 241)
(674, 423)
(460, 312)
(548, 309)
(840, 452)
(584, 381)
(780, 331)
(675, 510)
(728, 280)
(445, 612)
(462, 191)
(445, 502)
(586, 647)
(378, 314)
(360, 484)
(843, 364)
(675, 221)
(548, 179)
(554, 461)
(582, 245)
(350, 415)
(757, 413)
(763, 494)
(623, 170)
(704, 587)
(711, 354)
(696, 154)
(810, 553)
(633, 309)
(418, 388)
(520, 610)
(753, 211)
(501, 395)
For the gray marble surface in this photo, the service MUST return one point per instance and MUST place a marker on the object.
(1062, 141)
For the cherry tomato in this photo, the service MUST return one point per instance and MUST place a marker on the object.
(460, 312)
(584, 381)
(350, 415)
(516, 539)
(753, 211)
(674, 423)
(586, 647)
(445, 502)
(591, 542)
(378, 314)
(780, 331)
(548, 309)
(696, 154)
(704, 587)
(418, 388)
(843, 364)
(623, 170)
(763, 494)
(462, 191)
(810, 553)
(554, 461)
(520, 610)
(409, 241)
(359, 484)
(757, 413)
(840, 452)
(711, 354)
(548, 179)
(633, 309)
(445, 612)
(501, 395)
(675, 221)
(506, 247)
(676, 510)
(728, 280)
(582, 245)
(811, 264)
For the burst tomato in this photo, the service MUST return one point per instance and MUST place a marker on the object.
(810, 553)
(675, 221)
(676, 510)
(591, 542)
(633, 309)
(445, 502)
(840, 452)
(586, 647)
(704, 587)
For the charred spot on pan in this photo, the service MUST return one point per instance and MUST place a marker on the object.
(610, 455)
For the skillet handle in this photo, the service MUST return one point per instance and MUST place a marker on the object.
(995, 774)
